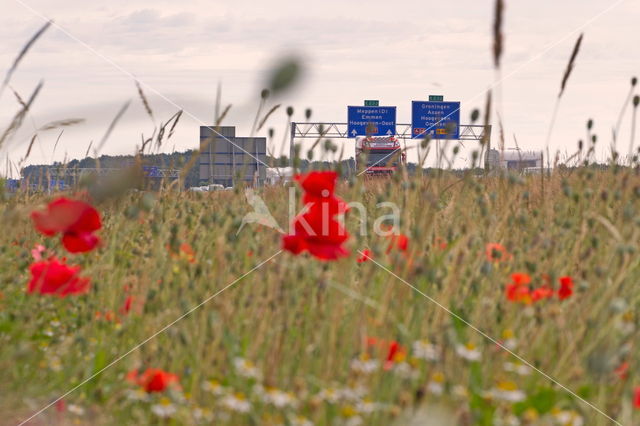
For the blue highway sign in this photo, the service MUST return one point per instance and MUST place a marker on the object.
(439, 120)
(371, 121)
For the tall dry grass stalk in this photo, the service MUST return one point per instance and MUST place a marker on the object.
(570, 65)
(498, 48)
(17, 120)
(112, 126)
(498, 36)
(636, 101)
(625, 104)
(22, 54)
(563, 84)
(145, 101)
(486, 136)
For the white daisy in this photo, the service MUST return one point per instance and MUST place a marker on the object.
(436, 384)
(518, 368)
(468, 352)
(423, 349)
(508, 339)
(246, 368)
(435, 388)
(404, 369)
(507, 391)
(352, 393)
(137, 394)
(279, 398)
(75, 409)
(366, 406)
(300, 421)
(460, 391)
(202, 415)
(236, 402)
(164, 409)
(330, 395)
(214, 387)
(365, 366)
(568, 418)
(354, 421)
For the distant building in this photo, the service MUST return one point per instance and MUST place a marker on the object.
(226, 159)
(515, 159)
(279, 175)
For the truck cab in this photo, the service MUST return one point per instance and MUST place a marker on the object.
(379, 155)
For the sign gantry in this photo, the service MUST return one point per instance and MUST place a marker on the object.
(434, 118)
(314, 130)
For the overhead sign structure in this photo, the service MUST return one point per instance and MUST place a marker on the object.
(151, 171)
(439, 120)
(371, 121)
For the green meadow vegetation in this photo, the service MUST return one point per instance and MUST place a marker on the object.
(268, 322)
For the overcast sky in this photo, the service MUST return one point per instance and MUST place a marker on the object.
(392, 51)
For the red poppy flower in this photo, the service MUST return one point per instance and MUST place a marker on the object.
(126, 306)
(317, 230)
(75, 220)
(399, 241)
(441, 243)
(153, 380)
(566, 288)
(496, 253)
(318, 184)
(394, 349)
(320, 234)
(57, 278)
(395, 353)
(518, 293)
(636, 398)
(187, 251)
(542, 292)
(520, 278)
(366, 255)
(518, 290)
(371, 341)
(106, 315)
(622, 371)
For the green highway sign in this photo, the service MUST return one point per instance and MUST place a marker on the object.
(436, 98)
(370, 102)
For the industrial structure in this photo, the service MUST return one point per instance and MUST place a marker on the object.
(279, 175)
(515, 159)
(62, 177)
(226, 159)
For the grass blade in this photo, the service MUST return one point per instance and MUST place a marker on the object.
(267, 115)
(498, 37)
(19, 117)
(112, 125)
(144, 100)
(22, 54)
(570, 65)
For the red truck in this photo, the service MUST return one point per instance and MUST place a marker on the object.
(379, 155)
